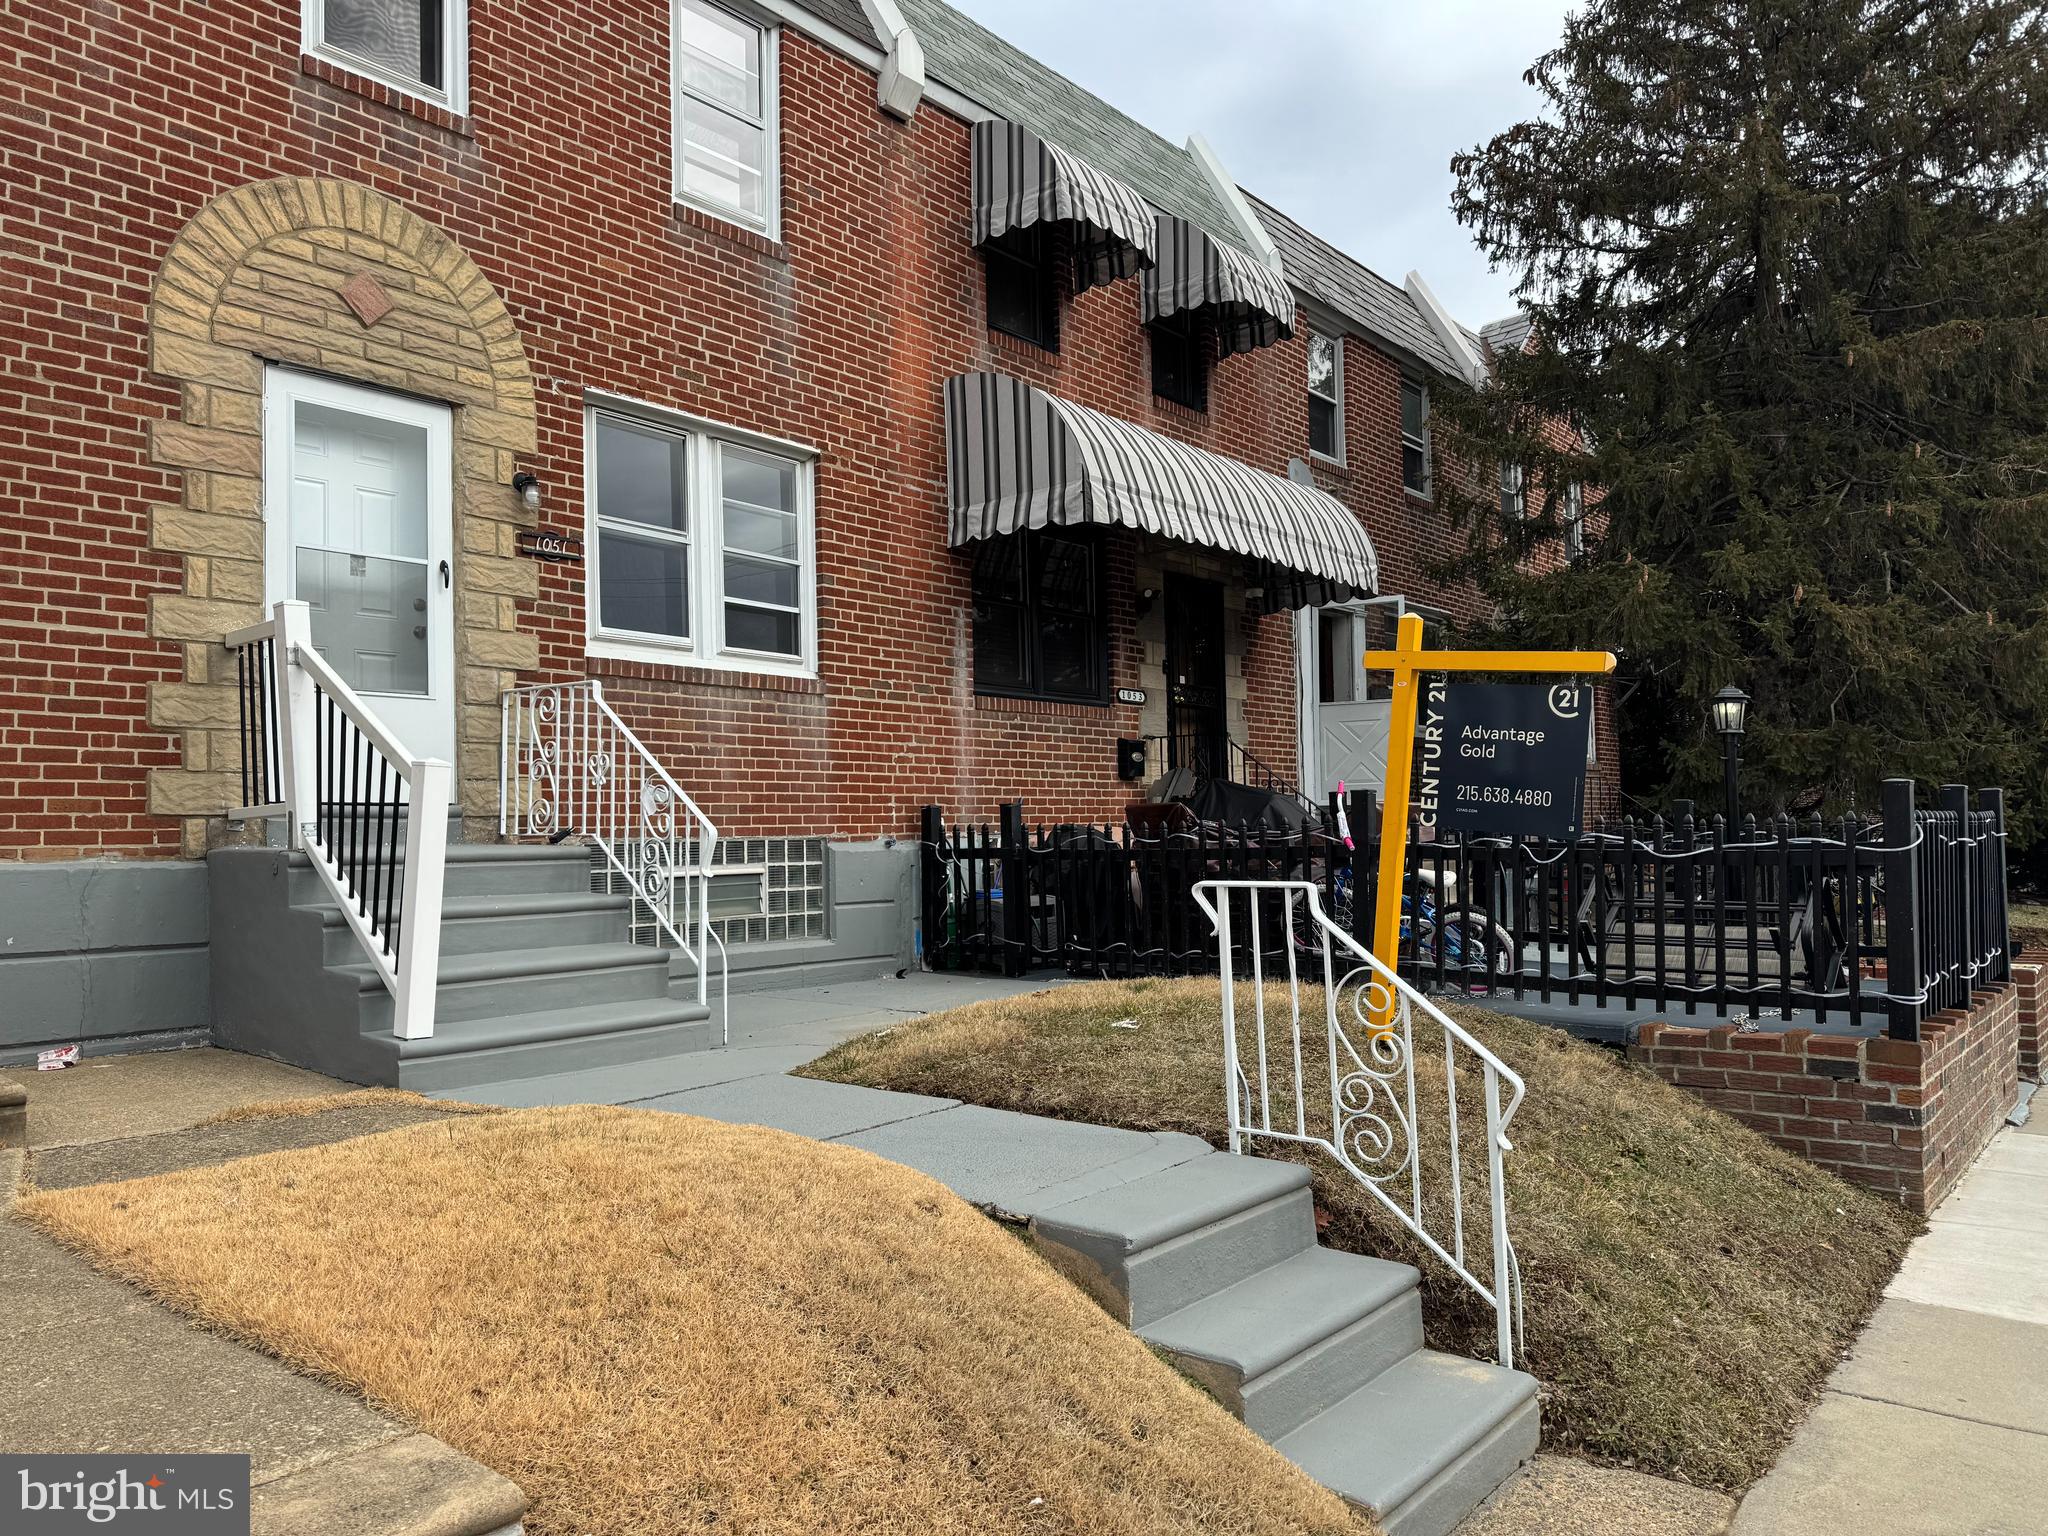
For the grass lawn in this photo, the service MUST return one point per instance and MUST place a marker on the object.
(1687, 1284)
(2029, 921)
(655, 1324)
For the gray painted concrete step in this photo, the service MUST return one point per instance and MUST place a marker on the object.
(524, 981)
(1283, 1345)
(514, 1047)
(1423, 1442)
(522, 920)
(1163, 1242)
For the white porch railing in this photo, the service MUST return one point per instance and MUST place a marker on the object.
(371, 817)
(570, 767)
(1348, 1086)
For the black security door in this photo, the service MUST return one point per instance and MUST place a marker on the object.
(1196, 720)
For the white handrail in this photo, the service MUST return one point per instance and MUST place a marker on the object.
(570, 767)
(338, 804)
(1371, 1123)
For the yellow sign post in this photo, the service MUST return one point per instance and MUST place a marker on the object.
(1407, 661)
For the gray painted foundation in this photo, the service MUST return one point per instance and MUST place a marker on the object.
(115, 955)
(108, 954)
(870, 899)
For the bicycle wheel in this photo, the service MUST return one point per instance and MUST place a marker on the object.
(1474, 946)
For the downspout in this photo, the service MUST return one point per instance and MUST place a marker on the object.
(900, 86)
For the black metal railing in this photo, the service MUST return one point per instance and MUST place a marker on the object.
(359, 817)
(1872, 923)
(256, 695)
(1216, 757)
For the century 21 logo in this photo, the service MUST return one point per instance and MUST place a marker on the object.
(1566, 700)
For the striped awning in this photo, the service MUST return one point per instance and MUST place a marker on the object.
(1247, 302)
(1017, 458)
(1020, 180)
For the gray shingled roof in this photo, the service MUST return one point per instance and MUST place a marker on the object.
(1353, 289)
(961, 53)
(1508, 335)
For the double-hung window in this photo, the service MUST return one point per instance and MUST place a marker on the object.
(1023, 286)
(1180, 360)
(1414, 438)
(1514, 499)
(1325, 396)
(418, 47)
(700, 547)
(725, 115)
(1573, 516)
(1039, 630)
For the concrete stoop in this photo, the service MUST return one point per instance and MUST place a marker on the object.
(537, 974)
(1215, 1262)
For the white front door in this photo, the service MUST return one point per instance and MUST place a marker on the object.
(358, 514)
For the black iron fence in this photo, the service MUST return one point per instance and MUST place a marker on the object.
(1877, 923)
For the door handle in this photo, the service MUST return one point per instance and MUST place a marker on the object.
(444, 575)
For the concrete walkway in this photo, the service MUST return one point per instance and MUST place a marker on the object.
(1937, 1423)
(93, 1365)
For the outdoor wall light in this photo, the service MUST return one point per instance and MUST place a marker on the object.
(1146, 598)
(1730, 710)
(527, 487)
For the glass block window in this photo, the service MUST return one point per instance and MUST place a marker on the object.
(764, 890)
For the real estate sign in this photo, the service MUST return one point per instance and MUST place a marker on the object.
(1504, 759)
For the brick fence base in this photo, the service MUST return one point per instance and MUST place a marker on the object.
(1902, 1117)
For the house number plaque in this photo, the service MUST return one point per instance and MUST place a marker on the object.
(1130, 695)
(546, 544)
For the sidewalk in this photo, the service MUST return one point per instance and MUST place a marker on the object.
(1937, 1423)
(93, 1365)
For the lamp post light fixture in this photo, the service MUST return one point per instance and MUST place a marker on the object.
(1730, 713)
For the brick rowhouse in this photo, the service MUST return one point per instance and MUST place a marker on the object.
(121, 468)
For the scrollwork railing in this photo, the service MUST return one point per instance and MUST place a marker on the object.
(570, 767)
(1350, 1083)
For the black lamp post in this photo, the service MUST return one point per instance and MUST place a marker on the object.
(1730, 712)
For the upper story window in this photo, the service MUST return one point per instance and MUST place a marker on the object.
(725, 115)
(1023, 286)
(1514, 497)
(1414, 438)
(1325, 396)
(1039, 629)
(418, 47)
(1573, 516)
(1180, 360)
(701, 545)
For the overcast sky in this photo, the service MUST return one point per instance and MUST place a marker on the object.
(1343, 112)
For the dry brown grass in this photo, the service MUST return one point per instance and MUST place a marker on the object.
(1687, 1284)
(654, 1323)
(347, 1098)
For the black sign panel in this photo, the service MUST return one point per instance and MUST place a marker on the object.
(1503, 759)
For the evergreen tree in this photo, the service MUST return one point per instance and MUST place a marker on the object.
(1787, 265)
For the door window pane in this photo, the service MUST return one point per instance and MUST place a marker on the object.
(641, 475)
(644, 584)
(1337, 668)
(369, 617)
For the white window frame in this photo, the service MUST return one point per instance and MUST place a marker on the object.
(1428, 491)
(770, 221)
(1514, 483)
(454, 96)
(1335, 337)
(706, 645)
(1573, 517)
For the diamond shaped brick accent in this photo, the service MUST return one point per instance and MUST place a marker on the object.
(366, 296)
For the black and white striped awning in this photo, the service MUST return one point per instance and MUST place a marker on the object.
(1017, 458)
(1247, 302)
(1020, 180)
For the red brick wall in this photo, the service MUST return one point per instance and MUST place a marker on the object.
(118, 122)
(1904, 1118)
(2033, 982)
